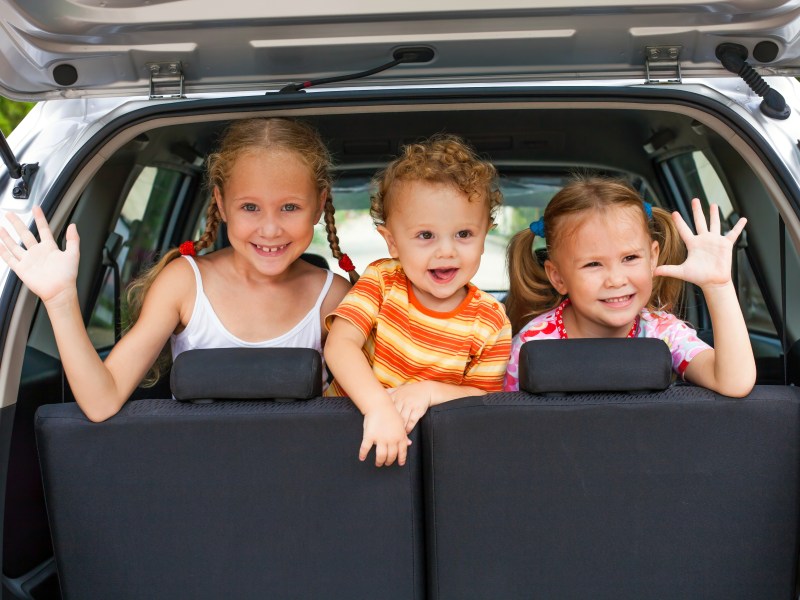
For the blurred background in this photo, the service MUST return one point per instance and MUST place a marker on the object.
(11, 113)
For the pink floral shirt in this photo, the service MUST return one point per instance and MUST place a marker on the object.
(681, 339)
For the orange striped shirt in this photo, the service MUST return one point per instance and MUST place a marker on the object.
(406, 342)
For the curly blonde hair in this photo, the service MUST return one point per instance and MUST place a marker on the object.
(441, 159)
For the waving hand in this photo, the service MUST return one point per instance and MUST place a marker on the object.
(41, 265)
(708, 262)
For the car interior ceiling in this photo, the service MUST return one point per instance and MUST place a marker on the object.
(517, 140)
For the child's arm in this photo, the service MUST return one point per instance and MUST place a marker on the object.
(729, 368)
(484, 374)
(383, 427)
(412, 400)
(100, 389)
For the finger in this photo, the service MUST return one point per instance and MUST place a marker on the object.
(408, 420)
(10, 246)
(73, 241)
(736, 230)
(45, 234)
(699, 217)
(683, 229)
(366, 444)
(714, 225)
(402, 453)
(412, 421)
(380, 454)
(675, 271)
(25, 236)
(391, 454)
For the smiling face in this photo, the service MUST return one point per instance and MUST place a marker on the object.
(604, 262)
(437, 234)
(270, 204)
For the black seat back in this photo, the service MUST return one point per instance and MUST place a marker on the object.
(677, 494)
(227, 500)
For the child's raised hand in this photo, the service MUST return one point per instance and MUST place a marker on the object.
(41, 265)
(411, 400)
(383, 428)
(708, 262)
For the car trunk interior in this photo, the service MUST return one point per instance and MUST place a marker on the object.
(654, 145)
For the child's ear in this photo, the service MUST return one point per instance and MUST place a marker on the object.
(555, 277)
(655, 251)
(220, 204)
(389, 239)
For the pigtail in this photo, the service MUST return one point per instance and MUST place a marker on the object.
(667, 291)
(213, 219)
(333, 240)
(530, 292)
(137, 291)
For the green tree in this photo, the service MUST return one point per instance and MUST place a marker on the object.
(11, 113)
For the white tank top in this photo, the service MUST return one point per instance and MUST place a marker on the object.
(205, 330)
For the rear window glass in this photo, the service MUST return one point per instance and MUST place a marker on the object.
(524, 200)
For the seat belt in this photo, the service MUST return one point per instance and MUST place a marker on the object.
(784, 332)
(110, 254)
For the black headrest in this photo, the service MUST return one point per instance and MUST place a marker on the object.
(595, 365)
(247, 373)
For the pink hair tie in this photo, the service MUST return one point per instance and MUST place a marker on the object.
(345, 264)
(187, 248)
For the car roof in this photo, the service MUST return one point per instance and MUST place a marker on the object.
(74, 48)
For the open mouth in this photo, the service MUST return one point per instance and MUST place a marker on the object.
(443, 275)
(271, 249)
(618, 301)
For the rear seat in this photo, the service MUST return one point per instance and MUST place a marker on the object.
(672, 494)
(235, 499)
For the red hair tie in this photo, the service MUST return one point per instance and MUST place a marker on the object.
(345, 264)
(187, 248)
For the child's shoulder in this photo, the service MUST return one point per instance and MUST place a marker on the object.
(489, 308)
(336, 292)
(388, 271)
(543, 327)
(658, 319)
(176, 272)
(386, 266)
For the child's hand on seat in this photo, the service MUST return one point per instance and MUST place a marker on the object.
(383, 428)
(412, 400)
(41, 265)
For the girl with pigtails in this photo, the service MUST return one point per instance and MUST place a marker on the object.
(270, 182)
(615, 267)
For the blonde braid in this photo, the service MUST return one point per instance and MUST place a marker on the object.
(333, 240)
(211, 231)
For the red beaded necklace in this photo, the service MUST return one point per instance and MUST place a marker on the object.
(562, 333)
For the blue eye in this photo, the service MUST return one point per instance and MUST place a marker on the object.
(249, 207)
(290, 207)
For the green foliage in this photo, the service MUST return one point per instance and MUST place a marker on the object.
(11, 113)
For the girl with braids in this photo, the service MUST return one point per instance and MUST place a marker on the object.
(615, 266)
(269, 183)
(414, 331)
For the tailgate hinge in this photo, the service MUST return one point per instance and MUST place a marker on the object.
(166, 80)
(663, 64)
